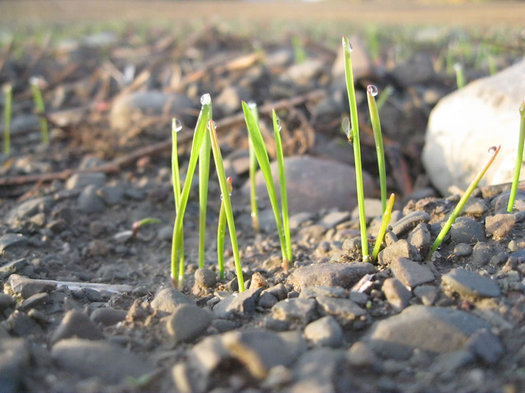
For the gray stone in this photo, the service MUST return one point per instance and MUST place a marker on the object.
(486, 346)
(344, 310)
(308, 176)
(20, 324)
(298, 219)
(107, 316)
(11, 240)
(267, 300)
(229, 100)
(427, 294)
(462, 250)
(314, 292)
(26, 287)
(396, 293)
(6, 302)
(260, 350)
(410, 273)
(297, 310)
(168, 299)
(324, 332)
(237, 304)
(205, 277)
(501, 201)
(27, 209)
(420, 238)
(89, 201)
(409, 222)
(188, 322)
(499, 225)
(34, 301)
(111, 195)
(448, 363)
(89, 359)
(360, 355)
(82, 180)
(467, 230)
(278, 290)
(482, 253)
(433, 329)
(334, 218)
(475, 207)
(467, 122)
(399, 249)
(76, 324)
(470, 284)
(14, 361)
(303, 73)
(328, 274)
(132, 108)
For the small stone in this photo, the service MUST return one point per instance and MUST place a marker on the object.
(258, 281)
(6, 302)
(26, 287)
(267, 300)
(34, 301)
(205, 277)
(462, 250)
(278, 290)
(396, 293)
(344, 275)
(482, 252)
(499, 225)
(486, 346)
(297, 310)
(12, 240)
(98, 359)
(107, 316)
(14, 361)
(344, 310)
(89, 201)
(427, 294)
(324, 332)
(399, 249)
(21, 325)
(475, 207)
(82, 180)
(298, 219)
(420, 238)
(76, 324)
(470, 284)
(188, 322)
(28, 209)
(360, 355)
(409, 222)
(331, 220)
(450, 362)
(237, 304)
(467, 230)
(111, 195)
(168, 299)
(411, 273)
(313, 292)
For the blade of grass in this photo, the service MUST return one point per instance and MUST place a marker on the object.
(176, 127)
(177, 273)
(264, 163)
(8, 100)
(282, 186)
(460, 75)
(387, 215)
(40, 109)
(252, 173)
(204, 176)
(519, 160)
(219, 166)
(371, 92)
(221, 233)
(349, 76)
(459, 207)
(145, 221)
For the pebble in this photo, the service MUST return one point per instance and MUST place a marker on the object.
(410, 273)
(188, 322)
(420, 238)
(462, 250)
(409, 222)
(482, 252)
(360, 355)
(168, 299)
(26, 287)
(470, 284)
(237, 304)
(500, 202)
(467, 230)
(107, 316)
(89, 201)
(332, 219)
(433, 329)
(12, 240)
(324, 332)
(278, 290)
(396, 293)
(205, 277)
(98, 359)
(298, 219)
(399, 249)
(427, 294)
(76, 324)
(345, 310)
(82, 180)
(486, 346)
(303, 73)
(111, 195)
(20, 324)
(296, 310)
(14, 361)
(499, 225)
(6, 302)
(475, 207)
(267, 300)
(329, 274)
(34, 301)
(27, 209)
(313, 292)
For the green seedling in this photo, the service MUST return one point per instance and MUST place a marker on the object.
(298, 50)
(519, 159)
(264, 163)
(139, 224)
(40, 109)
(204, 174)
(226, 201)
(252, 173)
(177, 271)
(282, 185)
(8, 100)
(371, 93)
(353, 137)
(493, 151)
(460, 75)
(221, 232)
(387, 215)
(176, 127)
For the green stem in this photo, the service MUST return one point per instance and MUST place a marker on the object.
(227, 202)
(459, 207)
(176, 127)
(204, 175)
(39, 105)
(349, 76)
(387, 215)
(8, 94)
(221, 233)
(519, 160)
(252, 173)
(371, 92)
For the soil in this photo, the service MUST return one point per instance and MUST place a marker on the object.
(68, 208)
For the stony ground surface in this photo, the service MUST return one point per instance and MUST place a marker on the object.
(86, 306)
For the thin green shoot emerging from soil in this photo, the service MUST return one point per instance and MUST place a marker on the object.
(221, 232)
(519, 159)
(282, 185)
(371, 93)
(264, 163)
(40, 109)
(204, 177)
(354, 139)
(460, 75)
(225, 192)
(252, 173)
(8, 100)
(177, 272)
(493, 151)
(176, 127)
(145, 221)
(387, 215)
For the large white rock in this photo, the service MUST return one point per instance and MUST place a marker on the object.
(467, 122)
